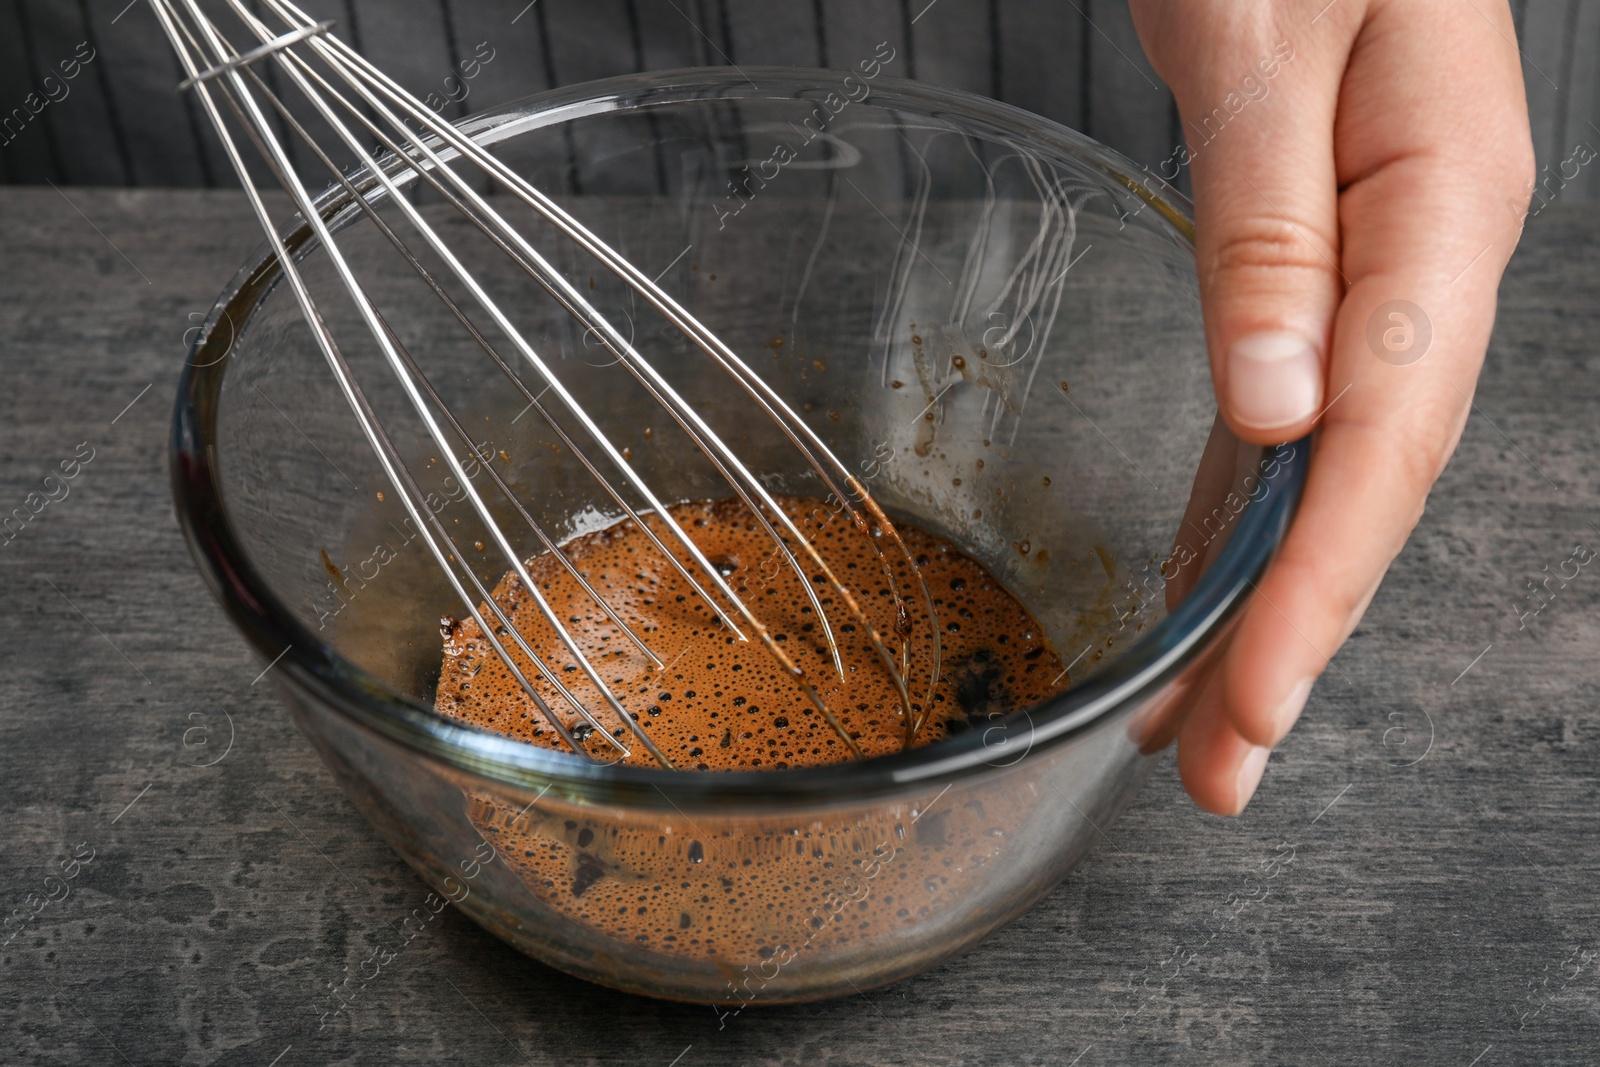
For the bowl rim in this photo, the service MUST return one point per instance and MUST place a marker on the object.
(307, 662)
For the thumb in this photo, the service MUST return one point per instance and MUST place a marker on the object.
(1260, 128)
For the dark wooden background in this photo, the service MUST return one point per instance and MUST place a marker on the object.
(1075, 61)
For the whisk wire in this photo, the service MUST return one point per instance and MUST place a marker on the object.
(800, 435)
(425, 519)
(427, 386)
(401, 363)
(428, 156)
(701, 434)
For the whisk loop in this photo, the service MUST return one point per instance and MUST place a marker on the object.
(259, 52)
(355, 100)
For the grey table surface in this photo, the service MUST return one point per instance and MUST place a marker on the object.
(1438, 798)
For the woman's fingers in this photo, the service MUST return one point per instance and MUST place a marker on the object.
(1426, 173)
(1352, 227)
(1219, 767)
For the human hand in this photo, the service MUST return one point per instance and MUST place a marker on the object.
(1373, 165)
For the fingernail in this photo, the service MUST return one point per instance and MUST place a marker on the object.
(1274, 379)
(1250, 772)
(1288, 712)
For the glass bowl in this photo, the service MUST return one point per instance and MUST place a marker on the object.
(992, 318)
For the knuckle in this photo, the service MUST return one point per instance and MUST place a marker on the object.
(1410, 454)
(1268, 244)
(1522, 178)
(1421, 462)
(1416, 454)
(1524, 164)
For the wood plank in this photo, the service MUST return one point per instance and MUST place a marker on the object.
(1042, 59)
(955, 45)
(1583, 101)
(668, 34)
(1542, 39)
(778, 34)
(589, 41)
(499, 41)
(160, 125)
(1127, 107)
(87, 135)
(26, 150)
(852, 31)
(411, 39)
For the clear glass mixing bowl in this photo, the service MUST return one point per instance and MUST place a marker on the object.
(990, 317)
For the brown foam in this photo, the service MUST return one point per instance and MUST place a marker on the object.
(725, 704)
(774, 889)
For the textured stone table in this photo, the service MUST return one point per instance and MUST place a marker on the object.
(1430, 827)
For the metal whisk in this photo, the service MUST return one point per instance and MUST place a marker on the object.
(356, 101)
